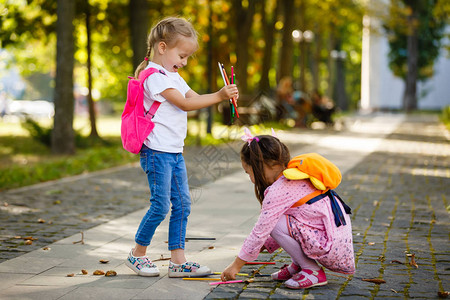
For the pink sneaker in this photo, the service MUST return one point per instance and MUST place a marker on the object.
(307, 279)
(285, 272)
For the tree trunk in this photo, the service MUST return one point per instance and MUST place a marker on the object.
(410, 96)
(315, 62)
(92, 116)
(287, 47)
(269, 34)
(63, 141)
(339, 84)
(331, 70)
(244, 20)
(139, 27)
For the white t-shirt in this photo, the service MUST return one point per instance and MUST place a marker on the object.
(170, 121)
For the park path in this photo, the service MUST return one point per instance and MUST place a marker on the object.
(395, 177)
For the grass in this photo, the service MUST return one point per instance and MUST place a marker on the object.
(445, 117)
(25, 161)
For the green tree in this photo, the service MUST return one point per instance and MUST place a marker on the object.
(415, 29)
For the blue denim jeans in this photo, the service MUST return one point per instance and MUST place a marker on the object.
(167, 179)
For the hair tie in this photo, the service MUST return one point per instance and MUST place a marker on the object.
(248, 137)
(146, 58)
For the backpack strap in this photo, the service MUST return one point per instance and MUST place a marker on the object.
(142, 77)
(332, 195)
(153, 109)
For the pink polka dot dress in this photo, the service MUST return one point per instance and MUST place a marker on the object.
(312, 225)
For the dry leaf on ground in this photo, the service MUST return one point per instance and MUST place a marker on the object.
(374, 280)
(111, 273)
(413, 261)
(99, 272)
(396, 261)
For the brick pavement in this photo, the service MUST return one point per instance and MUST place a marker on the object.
(398, 194)
(399, 200)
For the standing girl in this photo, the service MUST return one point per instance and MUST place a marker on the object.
(299, 212)
(172, 41)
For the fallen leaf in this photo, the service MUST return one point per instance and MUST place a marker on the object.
(29, 242)
(30, 238)
(370, 243)
(80, 241)
(70, 275)
(111, 273)
(84, 272)
(5, 204)
(17, 237)
(443, 294)
(50, 222)
(56, 202)
(396, 261)
(413, 261)
(99, 272)
(41, 221)
(211, 247)
(162, 258)
(46, 248)
(374, 280)
(394, 291)
(104, 261)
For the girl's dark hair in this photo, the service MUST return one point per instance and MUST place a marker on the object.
(264, 150)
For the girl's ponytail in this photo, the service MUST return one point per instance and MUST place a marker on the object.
(144, 63)
(260, 151)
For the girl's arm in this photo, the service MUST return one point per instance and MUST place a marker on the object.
(230, 272)
(195, 101)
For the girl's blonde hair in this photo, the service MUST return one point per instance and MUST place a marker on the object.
(168, 31)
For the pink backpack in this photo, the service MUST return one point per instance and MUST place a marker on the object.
(136, 122)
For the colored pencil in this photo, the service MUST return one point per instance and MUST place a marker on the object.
(231, 281)
(232, 82)
(202, 278)
(238, 274)
(227, 82)
(199, 239)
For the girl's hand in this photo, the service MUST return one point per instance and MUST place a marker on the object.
(228, 92)
(230, 272)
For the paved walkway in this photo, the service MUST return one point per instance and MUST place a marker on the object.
(396, 178)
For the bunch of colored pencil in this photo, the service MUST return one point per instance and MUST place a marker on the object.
(233, 104)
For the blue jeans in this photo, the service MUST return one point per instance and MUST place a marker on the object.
(167, 179)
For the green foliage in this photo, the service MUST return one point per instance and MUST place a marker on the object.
(38, 132)
(429, 31)
(84, 161)
(27, 29)
(445, 116)
(43, 135)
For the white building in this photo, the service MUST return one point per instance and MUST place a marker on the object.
(380, 89)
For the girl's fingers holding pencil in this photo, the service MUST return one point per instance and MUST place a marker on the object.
(229, 91)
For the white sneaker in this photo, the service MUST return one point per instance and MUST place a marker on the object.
(187, 269)
(142, 265)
